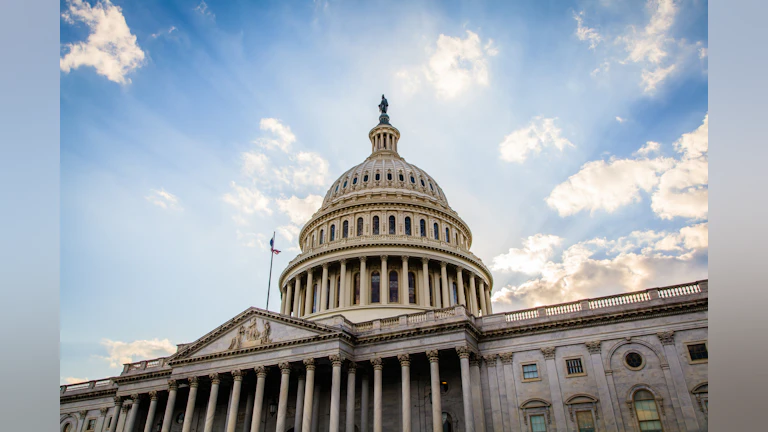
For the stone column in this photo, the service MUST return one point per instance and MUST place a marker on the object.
(350, 418)
(344, 301)
(438, 294)
(365, 293)
(493, 388)
(116, 414)
(405, 288)
(377, 401)
(437, 408)
(190, 409)
(248, 411)
(315, 409)
(297, 296)
(466, 394)
(309, 390)
(173, 387)
(323, 289)
(123, 417)
(309, 294)
(282, 404)
(509, 383)
(473, 295)
(425, 282)
(151, 412)
(288, 299)
(299, 402)
(333, 289)
(487, 291)
(131, 422)
(210, 412)
(234, 403)
(477, 394)
(364, 403)
(554, 388)
(460, 283)
(444, 279)
(606, 409)
(258, 400)
(335, 413)
(483, 304)
(405, 373)
(667, 339)
(384, 285)
(102, 417)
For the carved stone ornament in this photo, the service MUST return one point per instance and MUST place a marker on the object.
(463, 351)
(594, 347)
(352, 367)
(285, 367)
(237, 374)
(153, 395)
(193, 382)
(172, 385)
(309, 363)
(405, 359)
(377, 363)
(118, 401)
(666, 337)
(425, 260)
(433, 356)
(82, 414)
(336, 360)
(549, 353)
(135, 398)
(103, 411)
(506, 358)
(261, 371)
(250, 336)
(490, 360)
(214, 377)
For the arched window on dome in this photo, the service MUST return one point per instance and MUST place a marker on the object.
(354, 180)
(375, 287)
(411, 288)
(407, 225)
(359, 226)
(392, 225)
(365, 178)
(393, 287)
(430, 187)
(378, 177)
(333, 233)
(401, 177)
(375, 225)
(447, 235)
(357, 289)
(345, 184)
(413, 180)
(431, 294)
(436, 231)
(345, 229)
(389, 176)
(423, 228)
(454, 294)
(422, 183)
(322, 236)
(647, 411)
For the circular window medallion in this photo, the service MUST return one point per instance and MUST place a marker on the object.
(634, 360)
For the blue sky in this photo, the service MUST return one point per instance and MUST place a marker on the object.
(570, 136)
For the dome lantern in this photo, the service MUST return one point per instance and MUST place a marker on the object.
(384, 136)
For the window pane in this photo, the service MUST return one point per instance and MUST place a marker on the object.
(423, 228)
(391, 224)
(375, 225)
(698, 352)
(646, 410)
(393, 286)
(538, 424)
(437, 232)
(530, 371)
(375, 287)
(345, 229)
(650, 426)
(411, 288)
(357, 288)
(359, 226)
(585, 421)
(574, 366)
(407, 226)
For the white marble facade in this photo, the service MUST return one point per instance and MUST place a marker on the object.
(425, 352)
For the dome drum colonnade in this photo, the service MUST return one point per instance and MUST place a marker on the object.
(385, 242)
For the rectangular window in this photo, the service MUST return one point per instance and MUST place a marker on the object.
(698, 351)
(91, 425)
(647, 416)
(574, 366)
(538, 424)
(585, 421)
(530, 371)
(109, 422)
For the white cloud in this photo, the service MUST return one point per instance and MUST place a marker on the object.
(585, 33)
(110, 48)
(289, 232)
(651, 78)
(536, 251)
(119, 353)
(457, 64)
(255, 165)
(285, 138)
(247, 201)
(299, 210)
(410, 82)
(620, 120)
(649, 148)
(202, 9)
(703, 52)
(73, 380)
(602, 69)
(163, 33)
(253, 240)
(311, 170)
(164, 199)
(650, 43)
(539, 133)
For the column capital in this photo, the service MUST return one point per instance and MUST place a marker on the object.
(425, 260)
(594, 347)
(549, 353)
(433, 356)
(363, 258)
(237, 374)
(193, 381)
(153, 395)
(666, 337)
(103, 411)
(443, 264)
(351, 367)
(459, 269)
(405, 258)
(384, 257)
(343, 261)
(82, 414)
(377, 363)
(285, 367)
(118, 401)
(336, 359)
(125, 408)
(325, 266)
(405, 359)
(214, 377)
(261, 371)
(490, 360)
(463, 351)
(506, 358)
(309, 363)
(172, 385)
(135, 398)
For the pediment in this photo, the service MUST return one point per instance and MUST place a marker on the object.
(253, 329)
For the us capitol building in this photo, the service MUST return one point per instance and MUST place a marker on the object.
(386, 324)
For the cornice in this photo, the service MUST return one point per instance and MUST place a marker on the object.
(142, 376)
(420, 331)
(88, 395)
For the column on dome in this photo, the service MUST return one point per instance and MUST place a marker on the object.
(444, 279)
(405, 373)
(487, 291)
(437, 408)
(287, 299)
(324, 289)
(258, 401)
(350, 417)
(151, 412)
(466, 390)
(333, 290)
(377, 401)
(483, 304)
(425, 282)
(473, 294)
(297, 296)
(309, 298)
(190, 408)
(309, 391)
(335, 413)
(384, 282)
(282, 402)
(460, 285)
(343, 294)
(365, 298)
(134, 412)
(404, 286)
(234, 402)
(173, 387)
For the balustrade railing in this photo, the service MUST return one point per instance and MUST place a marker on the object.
(564, 308)
(679, 290)
(522, 315)
(619, 300)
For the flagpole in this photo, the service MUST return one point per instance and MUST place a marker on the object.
(271, 258)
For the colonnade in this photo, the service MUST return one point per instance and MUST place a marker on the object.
(384, 280)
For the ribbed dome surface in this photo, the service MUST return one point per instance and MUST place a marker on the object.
(385, 171)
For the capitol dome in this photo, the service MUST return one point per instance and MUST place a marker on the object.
(384, 243)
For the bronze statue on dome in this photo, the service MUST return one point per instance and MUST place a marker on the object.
(383, 105)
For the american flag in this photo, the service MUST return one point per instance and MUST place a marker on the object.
(272, 246)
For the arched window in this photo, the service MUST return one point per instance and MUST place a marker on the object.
(365, 178)
(647, 411)
(393, 287)
(333, 232)
(391, 224)
(447, 422)
(401, 177)
(359, 226)
(447, 235)
(378, 177)
(337, 187)
(454, 294)
(375, 287)
(68, 427)
(345, 184)
(423, 228)
(315, 299)
(375, 225)
(431, 295)
(413, 180)
(430, 186)
(407, 226)
(345, 229)
(389, 176)
(456, 238)
(436, 231)
(357, 288)
(322, 236)
(354, 181)
(411, 288)
(422, 183)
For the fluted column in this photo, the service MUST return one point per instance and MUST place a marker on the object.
(168, 417)
(210, 412)
(131, 422)
(282, 403)
(606, 409)
(123, 416)
(460, 283)
(299, 402)
(309, 390)
(477, 394)
(190, 408)
(102, 417)
(377, 402)
(350, 418)
(324, 289)
(493, 387)
(234, 403)
(344, 299)
(509, 383)
(444, 279)
(364, 403)
(434, 372)
(288, 299)
(365, 293)
(487, 291)
(425, 282)
(309, 294)
(116, 415)
(437, 285)
(297, 296)
(473, 294)
(405, 373)
(466, 394)
(384, 282)
(483, 304)
(333, 291)
(258, 400)
(667, 339)
(335, 413)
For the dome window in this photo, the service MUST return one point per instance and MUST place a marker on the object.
(333, 232)
(413, 180)
(337, 188)
(436, 231)
(375, 287)
(389, 176)
(422, 183)
(345, 185)
(423, 228)
(354, 181)
(345, 230)
(365, 178)
(392, 225)
(378, 176)
(407, 225)
(359, 226)
(402, 178)
(430, 186)
(375, 225)
(447, 235)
